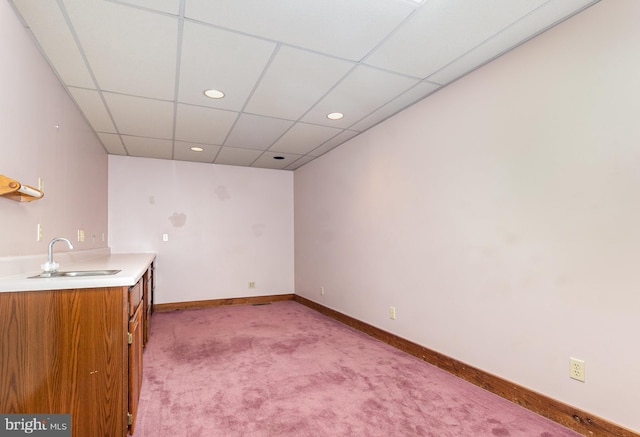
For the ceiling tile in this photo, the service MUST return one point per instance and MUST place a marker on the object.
(226, 61)
(295, 80)
(303, 137)
(91, 104)
(362, 92)
(411, 96)
(347, 29)
(148, 147)
(130, 51)
(112, 143)
(182, 151)
(168, 6)
(527, 27)
(445, 30)
(299, 162)
(256, 132)
(203, 125)
(140, 116)
(234, 156)
(267, 160)
(50, 29)
(333, 143)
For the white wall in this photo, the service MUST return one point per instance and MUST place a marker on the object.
(227, 226)
(500, 216)
(70, 159)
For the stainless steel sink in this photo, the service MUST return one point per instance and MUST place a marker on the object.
(75, 273)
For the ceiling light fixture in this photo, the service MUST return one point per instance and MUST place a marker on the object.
(196, 149)
(335, 116)
(214, 94)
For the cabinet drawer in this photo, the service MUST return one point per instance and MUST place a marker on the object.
(135, 297)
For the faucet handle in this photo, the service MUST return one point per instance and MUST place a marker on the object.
(50, 266)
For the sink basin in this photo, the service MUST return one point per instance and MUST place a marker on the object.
(75, 273)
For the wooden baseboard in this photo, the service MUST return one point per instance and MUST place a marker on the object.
(571, 417)
(196, 304)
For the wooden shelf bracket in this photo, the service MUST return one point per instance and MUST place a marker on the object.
(14, 190)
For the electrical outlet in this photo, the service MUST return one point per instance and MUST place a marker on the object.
(321, 291)
(392, 313)
(165, 237)
(39, 233)
(80, 235)
(576, 369)
(252, 284)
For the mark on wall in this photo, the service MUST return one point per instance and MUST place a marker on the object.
(258, 229)
(511, 238)
(178, 219)
(152, 200)
(222, 193)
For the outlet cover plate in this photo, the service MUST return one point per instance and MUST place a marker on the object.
(576, 369)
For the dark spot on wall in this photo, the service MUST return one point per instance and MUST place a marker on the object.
(178, 219)
(258, 229)
(222, 193)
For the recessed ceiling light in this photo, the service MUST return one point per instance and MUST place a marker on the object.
(196, 149)
(214, 94)
(335, 116)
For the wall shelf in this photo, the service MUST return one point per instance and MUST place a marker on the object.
(14, 190)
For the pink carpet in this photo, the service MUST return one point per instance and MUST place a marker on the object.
(286, 370)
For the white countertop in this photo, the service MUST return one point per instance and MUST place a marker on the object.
(133, 266)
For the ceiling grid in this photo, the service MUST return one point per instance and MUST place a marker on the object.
(138, 69)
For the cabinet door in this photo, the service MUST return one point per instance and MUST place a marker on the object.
(64, 352)
(149, 285)
(135, 364)
(146, 281)
(135, 297)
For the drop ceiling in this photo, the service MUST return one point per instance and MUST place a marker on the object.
(138, 69)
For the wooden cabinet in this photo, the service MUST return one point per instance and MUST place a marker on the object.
(65, 351)
(74, 351)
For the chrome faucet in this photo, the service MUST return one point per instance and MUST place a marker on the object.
(50, 265)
